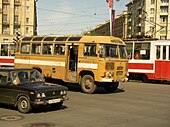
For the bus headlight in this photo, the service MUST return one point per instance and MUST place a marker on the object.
(110, 74)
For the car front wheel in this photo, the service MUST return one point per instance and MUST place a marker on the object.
(24, 105)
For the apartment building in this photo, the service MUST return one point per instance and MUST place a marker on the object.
(120, 27)
(148, 18)
(17, 16)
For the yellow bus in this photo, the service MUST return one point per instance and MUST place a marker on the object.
(90, 61)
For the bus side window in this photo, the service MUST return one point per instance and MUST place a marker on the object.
(59, 49)
(47, 49)
(36, 48)
(25, 48)
(90, 50)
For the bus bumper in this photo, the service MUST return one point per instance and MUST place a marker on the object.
(115, 80)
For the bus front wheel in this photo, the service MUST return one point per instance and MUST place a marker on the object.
(87, 84)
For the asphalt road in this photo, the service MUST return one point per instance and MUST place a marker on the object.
(134, 104)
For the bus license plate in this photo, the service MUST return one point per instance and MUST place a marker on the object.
(53, 101)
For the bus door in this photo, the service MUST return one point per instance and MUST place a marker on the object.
(71, 64)
(162, 63)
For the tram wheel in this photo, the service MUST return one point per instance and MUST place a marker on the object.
(145, 78)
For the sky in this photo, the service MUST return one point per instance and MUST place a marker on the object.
(72, 17)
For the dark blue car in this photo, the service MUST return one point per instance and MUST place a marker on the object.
(26, 88)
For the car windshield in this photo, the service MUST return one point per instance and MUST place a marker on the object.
(26, 76)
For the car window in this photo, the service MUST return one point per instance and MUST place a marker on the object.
(4, 77)
(26, 76)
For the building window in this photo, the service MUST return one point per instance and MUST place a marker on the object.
(152, 1)
(5, 6)
(16, 18)
(164, 9)
(27, 29)
(164, 1)
(162, 37)
(5, 30)
(152, 19)
(27, 8)
(27, 20)
(5, 17)
(16, 8)
(163, 19)
(152, 10)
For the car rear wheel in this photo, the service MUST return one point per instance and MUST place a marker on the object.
(24, 105)
(87, 84)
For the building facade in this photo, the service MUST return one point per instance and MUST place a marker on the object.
(17, 16)
(148, 18)
(120, 27)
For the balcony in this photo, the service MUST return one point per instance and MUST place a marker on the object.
(5, 22)
(5, 32)
(17, 23)
(6, 1)
(17, 2)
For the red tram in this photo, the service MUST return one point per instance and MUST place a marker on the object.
(148, 59)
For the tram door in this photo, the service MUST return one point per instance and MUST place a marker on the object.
(162, 64)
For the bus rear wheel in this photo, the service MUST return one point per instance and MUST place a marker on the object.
(111, 87)
(87, 84)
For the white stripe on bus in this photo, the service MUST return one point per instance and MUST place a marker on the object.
(40, 62)
(52, 63)
(87, 65)
(140, 71)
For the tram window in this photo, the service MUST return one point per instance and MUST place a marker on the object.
(90, 50)
(169, 53)
(4, 50)
(59, 49)
(11, 49)
(164, 52)
(36, 48)
(142, 51)
(157, 52)
(47, 49)
(129, 48)
(25, 48)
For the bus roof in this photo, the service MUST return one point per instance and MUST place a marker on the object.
(99, 39)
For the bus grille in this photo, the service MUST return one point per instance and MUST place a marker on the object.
(119, 67)
(109, 66)
(119, 73)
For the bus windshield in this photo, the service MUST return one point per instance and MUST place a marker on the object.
(111, 51)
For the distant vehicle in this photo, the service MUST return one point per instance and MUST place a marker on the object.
(7, 50)
(26, 88)
(149, 59)
(90, 61)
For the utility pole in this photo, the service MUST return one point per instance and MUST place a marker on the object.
(110, 4)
